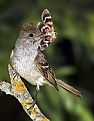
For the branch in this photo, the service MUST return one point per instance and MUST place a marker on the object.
(19, 91)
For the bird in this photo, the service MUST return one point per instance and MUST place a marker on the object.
(30, 63)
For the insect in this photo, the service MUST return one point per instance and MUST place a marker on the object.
(46, 26)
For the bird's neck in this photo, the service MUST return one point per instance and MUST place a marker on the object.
(27, 50)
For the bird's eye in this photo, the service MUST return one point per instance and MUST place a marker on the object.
(31, 35)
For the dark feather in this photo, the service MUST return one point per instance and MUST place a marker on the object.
(44, 68)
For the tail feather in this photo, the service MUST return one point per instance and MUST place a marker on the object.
(68, 88)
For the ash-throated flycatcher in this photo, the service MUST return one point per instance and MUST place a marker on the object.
(30, 63)
(28, 60)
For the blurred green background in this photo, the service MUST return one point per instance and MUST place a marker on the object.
(71, 56)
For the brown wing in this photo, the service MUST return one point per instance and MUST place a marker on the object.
(44, 68)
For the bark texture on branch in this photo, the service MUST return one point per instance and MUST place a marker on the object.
(18, 89)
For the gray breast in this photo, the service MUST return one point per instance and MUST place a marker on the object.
(25, 67)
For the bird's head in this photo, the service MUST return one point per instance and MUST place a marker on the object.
(29, 35)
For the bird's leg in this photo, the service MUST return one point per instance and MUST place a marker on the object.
(36, 96)
(35, 99)
(37, 90)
